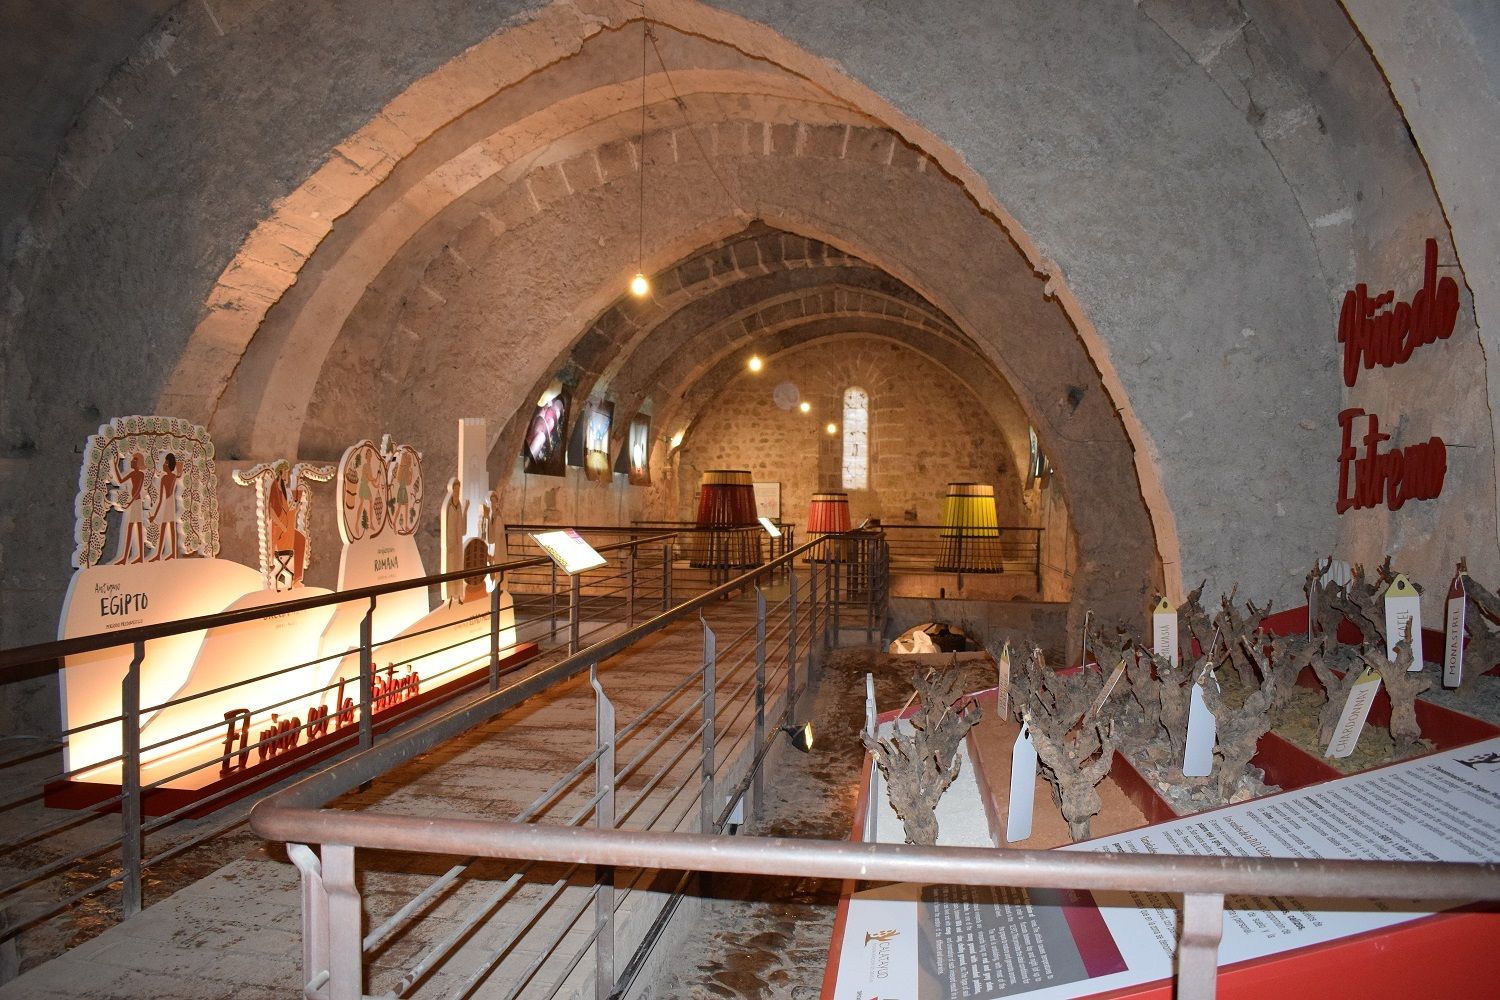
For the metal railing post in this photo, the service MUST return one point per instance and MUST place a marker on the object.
(813, 602)
(346, 955)
(495, 634)
(1198, 946)
(1037, 559)
(831, 632)
(132, 844)
(314, 913)
(552, 604)
(666, 577)
(758, 787)
(791, 646)
(604, 818)
(630, 591)
(367, 678)
(867, 554)
(710, 661)
(575, 586)
(958, 563)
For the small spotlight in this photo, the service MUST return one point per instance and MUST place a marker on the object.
(801, 734)
(639, 286)
(832, 428)
(756, 364)
(677, 438)
(805, 406)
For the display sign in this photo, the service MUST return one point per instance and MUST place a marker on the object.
(1453, 639)
(1164, 631)
(1202, 733)
(1022, 786)
(568, 549)
(771, 529)
(1403, 619)
(1353, 715)
(926, 943)
(767, 500)
(285, 681)
(1380, 331)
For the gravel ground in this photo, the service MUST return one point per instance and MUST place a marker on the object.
(767, 938)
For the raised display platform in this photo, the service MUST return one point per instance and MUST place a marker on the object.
(937, 942)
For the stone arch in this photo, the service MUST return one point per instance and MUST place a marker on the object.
(894, 149)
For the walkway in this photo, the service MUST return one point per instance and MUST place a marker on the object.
(237, 933)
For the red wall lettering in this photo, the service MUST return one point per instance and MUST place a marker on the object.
(1389, 337)
(1394, 477)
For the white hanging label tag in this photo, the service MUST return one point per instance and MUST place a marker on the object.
(1403, 607)
(1164, 631)
(1109, 686)
(1352, 718)
(1202, 732)
(870, 726)
(1453, 645)
(1022, 787)
(1002, 684)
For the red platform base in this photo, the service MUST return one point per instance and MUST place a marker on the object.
(103, 796)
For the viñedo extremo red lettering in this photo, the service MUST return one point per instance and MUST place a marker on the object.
(1394, 477)
(1390, 337)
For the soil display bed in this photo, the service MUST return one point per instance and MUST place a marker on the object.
(991, 743)
(1479, 697)
(1443, 716)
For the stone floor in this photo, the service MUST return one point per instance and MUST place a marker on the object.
(767, 938)
(236, 933)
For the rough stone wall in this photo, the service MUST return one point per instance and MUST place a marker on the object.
(1182, 245)
(926, 430)
(1305, 80)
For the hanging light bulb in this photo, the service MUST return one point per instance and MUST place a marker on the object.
(805, 406)
(639, 286)
(832, 428)
(756, 364)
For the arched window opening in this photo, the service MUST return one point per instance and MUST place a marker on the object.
(856, 439)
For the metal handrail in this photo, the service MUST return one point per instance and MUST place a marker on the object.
(317, 789)
(845, 859)
(23, 655)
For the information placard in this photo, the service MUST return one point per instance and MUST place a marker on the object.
(571, 553)
(1442, 807)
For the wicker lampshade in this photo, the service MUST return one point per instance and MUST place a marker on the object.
(971, 530)
(828, 513)
(726, 501)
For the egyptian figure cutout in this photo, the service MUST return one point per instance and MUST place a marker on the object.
(158, 473)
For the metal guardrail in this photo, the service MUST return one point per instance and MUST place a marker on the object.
(693, 551)
(53, 858)
(931, 548)
(335, 946)
(706, 737)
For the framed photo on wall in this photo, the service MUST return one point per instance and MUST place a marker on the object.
(638, 450)
(543, 449)
(597, 418)
(767, 500)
